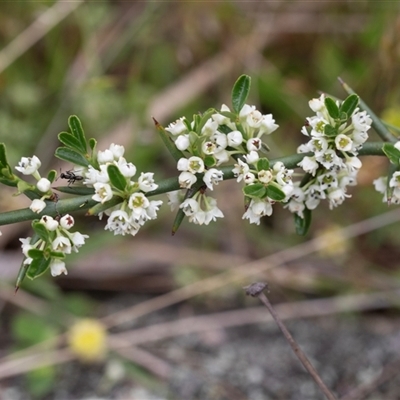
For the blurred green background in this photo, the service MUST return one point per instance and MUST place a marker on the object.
(118, 64)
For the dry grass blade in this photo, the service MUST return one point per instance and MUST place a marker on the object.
(39, 28)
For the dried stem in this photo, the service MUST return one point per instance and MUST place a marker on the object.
(256, 290)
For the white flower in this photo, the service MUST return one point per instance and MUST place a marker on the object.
(220, 140)
(67, 221)
(353, 164)
(212, 177)
(57, 267)
(37, 205)
(395, 180)
(78, 240)
(309, 165)
(336, 197)
(128, 170)
(93, 175)
(146, 182)
(265, 176)
(62, 244)
(117, 150)
(257, 209)
(249, 178)
(380, 184)
(317, 104)
(319, 145)
(152, 209)
(43, 185)
(176, 128)
(183, 164)
(138, 202)
(235, 138)
(49, 222)
(343, 142)
(209, 127)
(175, 198)
(195, 165)
(252, 157)
(397, 145)
(103, 192)
(28, 165)
(118, 222)
(209, 147)
(254, 144)
(190, 207)
(329, 159)
(26, 245)
(240, 170)
(104, 157)
(267, 125)
(186, 179)
(213, 212)
(221, 156)
(361, 121)
(182, 142)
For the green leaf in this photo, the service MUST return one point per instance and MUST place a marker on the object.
(303, 224)
(333, 109)
(349, 104)
(66, 154)
(71, 141)
(38, 267)
(77, 130)
(209, 161)
(392, 153)
(204, 118)
(3, 155)
(40, 230)
(275, 193)
(52, 175)
(256, 191)
(240, 91)
(36, 253)
(92, 144)
(116, 177)
(263, 164)
(169, 144)
(329, 130)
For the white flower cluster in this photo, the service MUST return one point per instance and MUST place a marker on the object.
(61, 241)
(210, 144)
(278, 177)
(334, 164)
(393, 188)
(128, 216)
(30, 166)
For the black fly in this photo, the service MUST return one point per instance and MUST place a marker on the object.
(70, 176)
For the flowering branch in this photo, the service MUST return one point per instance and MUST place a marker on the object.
(217, 145)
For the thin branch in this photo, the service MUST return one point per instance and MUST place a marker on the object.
(256, 290)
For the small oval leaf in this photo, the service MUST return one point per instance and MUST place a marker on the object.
(275, 193)
(332, 108)
(116, 178)
(349, 104)
(70, 141)
(77, 130)
(303, 224)
(256, 191)
(240, 91)
(66, 154)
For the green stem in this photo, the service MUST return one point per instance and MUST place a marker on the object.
(164, 186)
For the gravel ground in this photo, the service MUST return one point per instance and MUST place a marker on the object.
(249, 362)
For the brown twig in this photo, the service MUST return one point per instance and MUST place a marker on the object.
(256, 290)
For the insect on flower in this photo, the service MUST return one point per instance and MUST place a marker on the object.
(71, 176)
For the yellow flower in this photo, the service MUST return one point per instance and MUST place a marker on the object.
(333, 244)
(87, 339)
